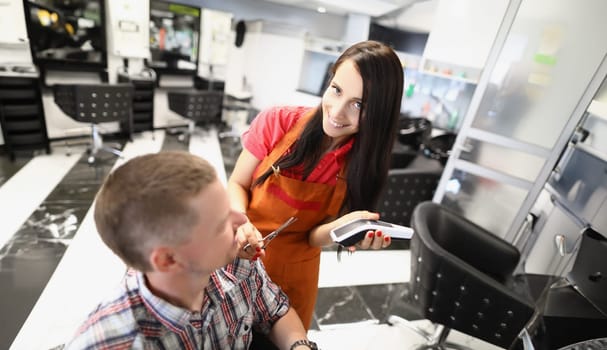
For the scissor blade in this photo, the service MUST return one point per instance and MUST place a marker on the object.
(275, 233)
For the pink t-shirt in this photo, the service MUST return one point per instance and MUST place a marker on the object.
(268, 128)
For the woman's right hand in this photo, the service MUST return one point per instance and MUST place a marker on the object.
(248, 234)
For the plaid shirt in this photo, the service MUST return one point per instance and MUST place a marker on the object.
(238, 297)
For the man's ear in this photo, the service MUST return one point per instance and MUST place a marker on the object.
(162, 259)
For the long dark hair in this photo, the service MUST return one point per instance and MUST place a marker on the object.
(369, 160)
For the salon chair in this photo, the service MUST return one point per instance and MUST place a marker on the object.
(200, 107)
(405, 189)
(95, 104)
(461, 278)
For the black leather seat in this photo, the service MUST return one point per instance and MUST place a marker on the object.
(95, 104)
(461, 278)
(405, 189)
(200, 107)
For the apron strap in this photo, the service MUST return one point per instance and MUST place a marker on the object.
(283, 145)
(340, 192)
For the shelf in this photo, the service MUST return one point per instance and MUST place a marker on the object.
(323, 52)
(450, 76)
(458, 72)
(602, 156)
(599, 109)
(303, 91)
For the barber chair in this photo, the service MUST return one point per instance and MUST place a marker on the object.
(95, 104)
(202, 107)
(405, 189)
(461, 278)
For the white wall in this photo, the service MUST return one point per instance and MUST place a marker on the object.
(271, 64)
(327, 25)
(464, 30)
(357, 28)
(12, 22)
(419, 17)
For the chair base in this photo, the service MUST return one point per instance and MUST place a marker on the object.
(92, 158)
(98, 145)
(184, 134)
(436, 340)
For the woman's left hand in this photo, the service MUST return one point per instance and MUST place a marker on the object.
(373, 240)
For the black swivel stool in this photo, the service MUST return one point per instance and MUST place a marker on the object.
(201, 107)
(94, 104)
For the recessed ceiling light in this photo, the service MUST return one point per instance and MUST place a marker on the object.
(321, 9)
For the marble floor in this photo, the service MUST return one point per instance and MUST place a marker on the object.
(54, 268)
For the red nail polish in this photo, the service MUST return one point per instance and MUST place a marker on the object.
(257, 249)
(378, 233)
(370, 235)
(387, 239)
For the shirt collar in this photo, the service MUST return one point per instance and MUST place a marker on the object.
(220, 284)
(343, 150)
(170, 315)
(225, 279)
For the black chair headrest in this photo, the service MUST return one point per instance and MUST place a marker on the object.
(456, 235)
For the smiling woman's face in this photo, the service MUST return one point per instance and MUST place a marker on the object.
(342, 103)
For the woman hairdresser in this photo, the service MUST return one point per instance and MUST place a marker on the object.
(324, 165)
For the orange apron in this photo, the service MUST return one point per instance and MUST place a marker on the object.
(290, 261)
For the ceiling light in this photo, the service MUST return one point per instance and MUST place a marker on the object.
(321, 9)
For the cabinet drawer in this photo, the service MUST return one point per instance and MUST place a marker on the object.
(142, 126)
(10, 81)
(545, 257)
(25, 139)
(17, 94)
(139, 117)
(143, 84)
(23, 125)
(143, 95)
(19, 110)
(142, 106)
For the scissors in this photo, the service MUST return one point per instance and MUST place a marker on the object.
(273, 234)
